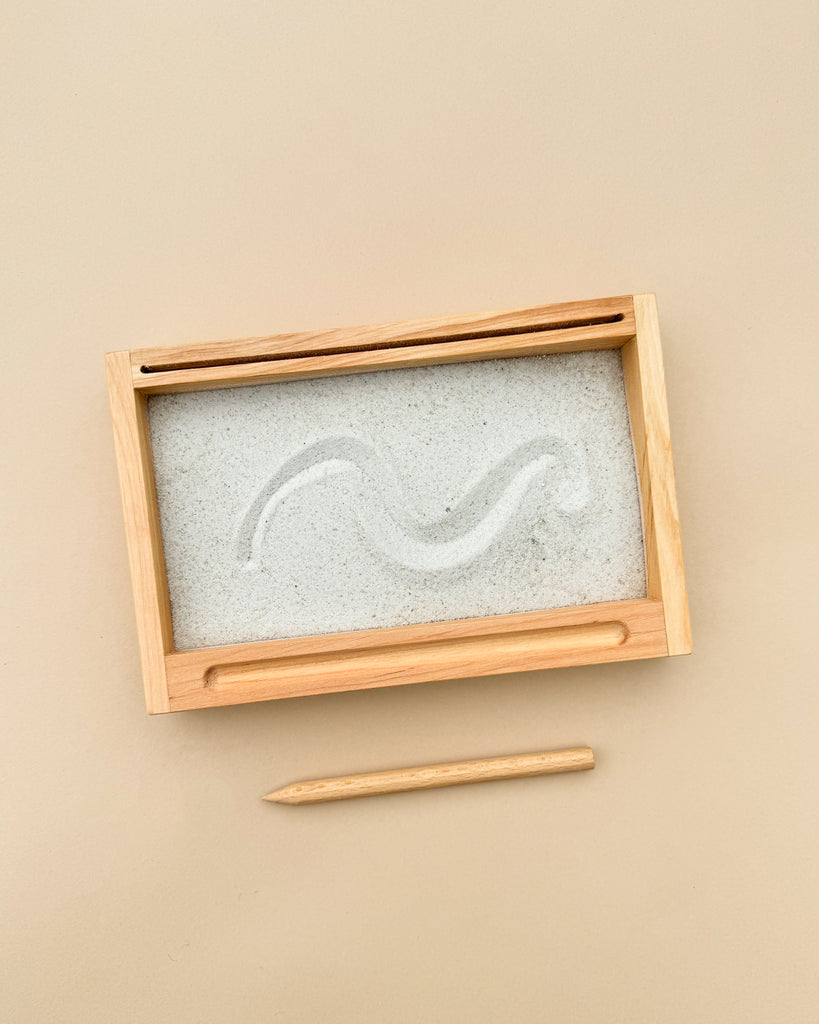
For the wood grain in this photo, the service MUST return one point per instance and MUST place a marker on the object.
(645, 391)
(364, 360)
(458, 649)
(434, 776)
(153, 612)
(396, 334)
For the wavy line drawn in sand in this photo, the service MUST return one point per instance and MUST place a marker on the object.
(454, 539)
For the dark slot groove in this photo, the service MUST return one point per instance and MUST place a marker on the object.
(497, 332)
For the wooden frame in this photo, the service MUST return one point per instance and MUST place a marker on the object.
(654, 626)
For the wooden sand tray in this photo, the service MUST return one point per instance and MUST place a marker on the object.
(651, 626)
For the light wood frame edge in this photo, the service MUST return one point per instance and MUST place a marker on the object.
(170, 676)
(644, 378)
(395, 334)
(299, 367)
(142, 531)
(396, 656)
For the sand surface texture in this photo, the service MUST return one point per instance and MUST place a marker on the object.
(394, 497)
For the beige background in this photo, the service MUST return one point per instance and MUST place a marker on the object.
(182, 171)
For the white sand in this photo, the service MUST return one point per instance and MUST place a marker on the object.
(395, 497)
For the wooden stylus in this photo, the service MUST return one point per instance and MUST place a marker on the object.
(434, 775)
